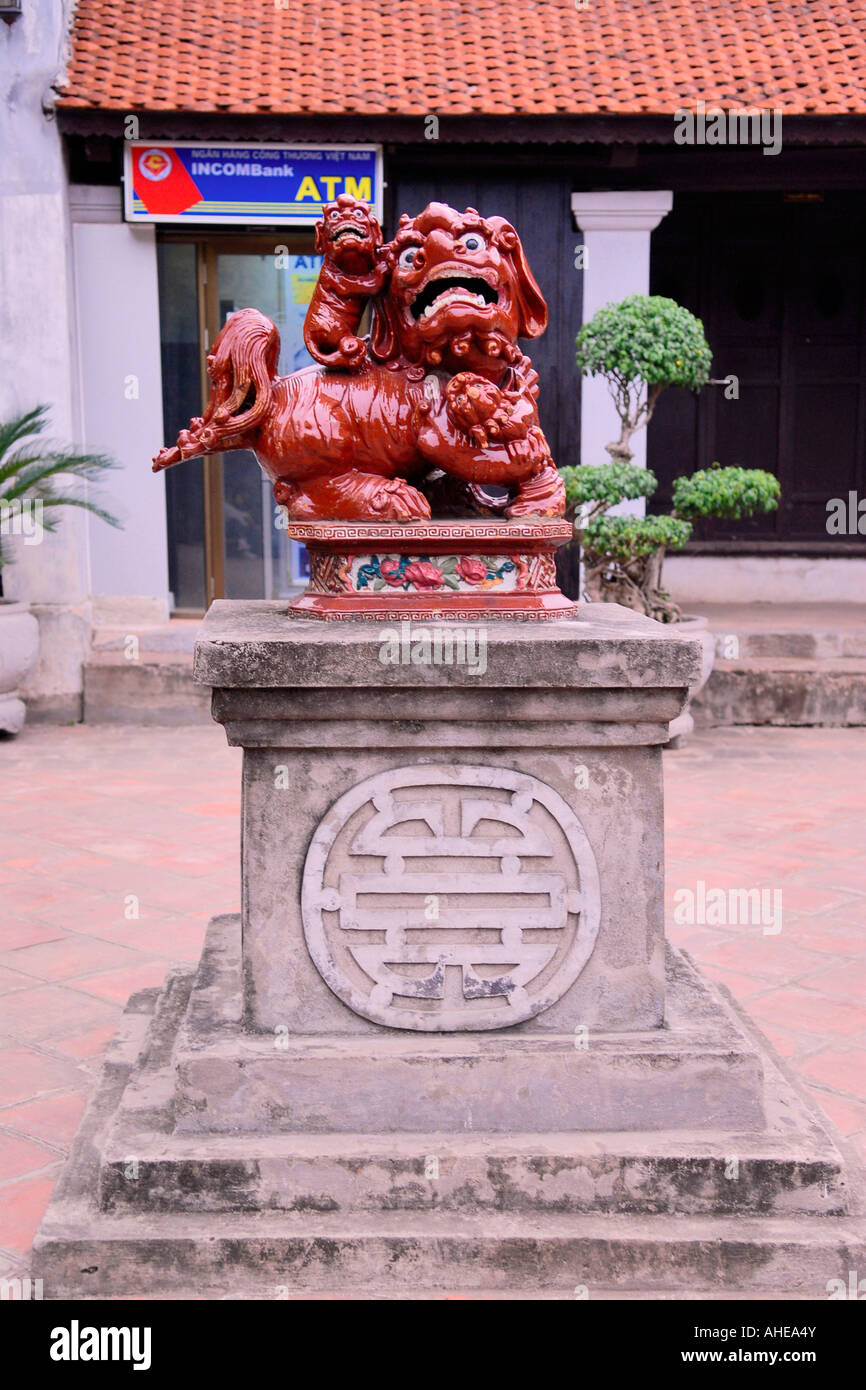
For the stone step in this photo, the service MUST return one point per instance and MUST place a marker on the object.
(178, 635)
(702, 1071)
(156, 689)
(570, 1173)
(532, 1295)
(784, 691)
(234, 1253)
(526, 1251)
(785, 664)
(795, 664)
(807, 631)
(790, 1163)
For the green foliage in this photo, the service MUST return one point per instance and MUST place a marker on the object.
(726, 492)
(641, 346)
(625, 538)
(606, 482)
(31, 469)
(624, 555)
(647, 338)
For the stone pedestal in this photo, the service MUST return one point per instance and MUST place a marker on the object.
(514, 808)
(445, 1048)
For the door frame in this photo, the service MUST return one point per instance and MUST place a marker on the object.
(209, 244)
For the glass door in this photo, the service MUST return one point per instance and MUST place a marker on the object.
(181, 322)
(259, 559)
(227, 538)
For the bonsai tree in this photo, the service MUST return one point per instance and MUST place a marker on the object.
(640, 346)
(624, 555)
(32, 470)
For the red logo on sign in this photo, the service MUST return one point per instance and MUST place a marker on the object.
(162, 183)
(155, 164)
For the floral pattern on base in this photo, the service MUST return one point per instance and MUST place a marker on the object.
(424, 573)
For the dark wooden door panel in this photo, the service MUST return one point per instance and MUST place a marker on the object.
(781, 288)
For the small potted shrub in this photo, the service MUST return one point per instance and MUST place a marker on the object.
(624, 555)
(641, 346)
(33, 484)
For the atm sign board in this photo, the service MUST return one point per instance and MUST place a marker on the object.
(243, 184)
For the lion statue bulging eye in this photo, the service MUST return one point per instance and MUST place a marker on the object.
(473, 241)
(407, 256)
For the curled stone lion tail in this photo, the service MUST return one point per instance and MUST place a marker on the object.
(241, 366)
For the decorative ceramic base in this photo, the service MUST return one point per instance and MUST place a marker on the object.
(447, 570)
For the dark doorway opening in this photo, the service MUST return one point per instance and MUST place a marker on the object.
(780, 283)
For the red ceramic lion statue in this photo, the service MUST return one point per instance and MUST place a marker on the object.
(439, 392)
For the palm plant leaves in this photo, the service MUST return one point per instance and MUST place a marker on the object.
(20, 426)
(32, 471)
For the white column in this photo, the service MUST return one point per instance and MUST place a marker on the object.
(36, 341)
(117, 299)
(616, 227)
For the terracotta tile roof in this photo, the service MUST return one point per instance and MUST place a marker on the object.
(456, 57)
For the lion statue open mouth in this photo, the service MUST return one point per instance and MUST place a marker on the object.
(437, 401)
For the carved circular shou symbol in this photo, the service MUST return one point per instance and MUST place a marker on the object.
(443, 898)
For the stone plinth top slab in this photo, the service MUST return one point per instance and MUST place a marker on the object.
(251, 644)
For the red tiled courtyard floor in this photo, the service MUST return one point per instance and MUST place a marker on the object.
(117, 845)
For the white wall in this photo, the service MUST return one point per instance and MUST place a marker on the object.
(616, 230)
(76, 365)
(697, 579)
(37, 334)
(117, 300)
(36, 347)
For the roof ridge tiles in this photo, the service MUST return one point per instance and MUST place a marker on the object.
(622, 56)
